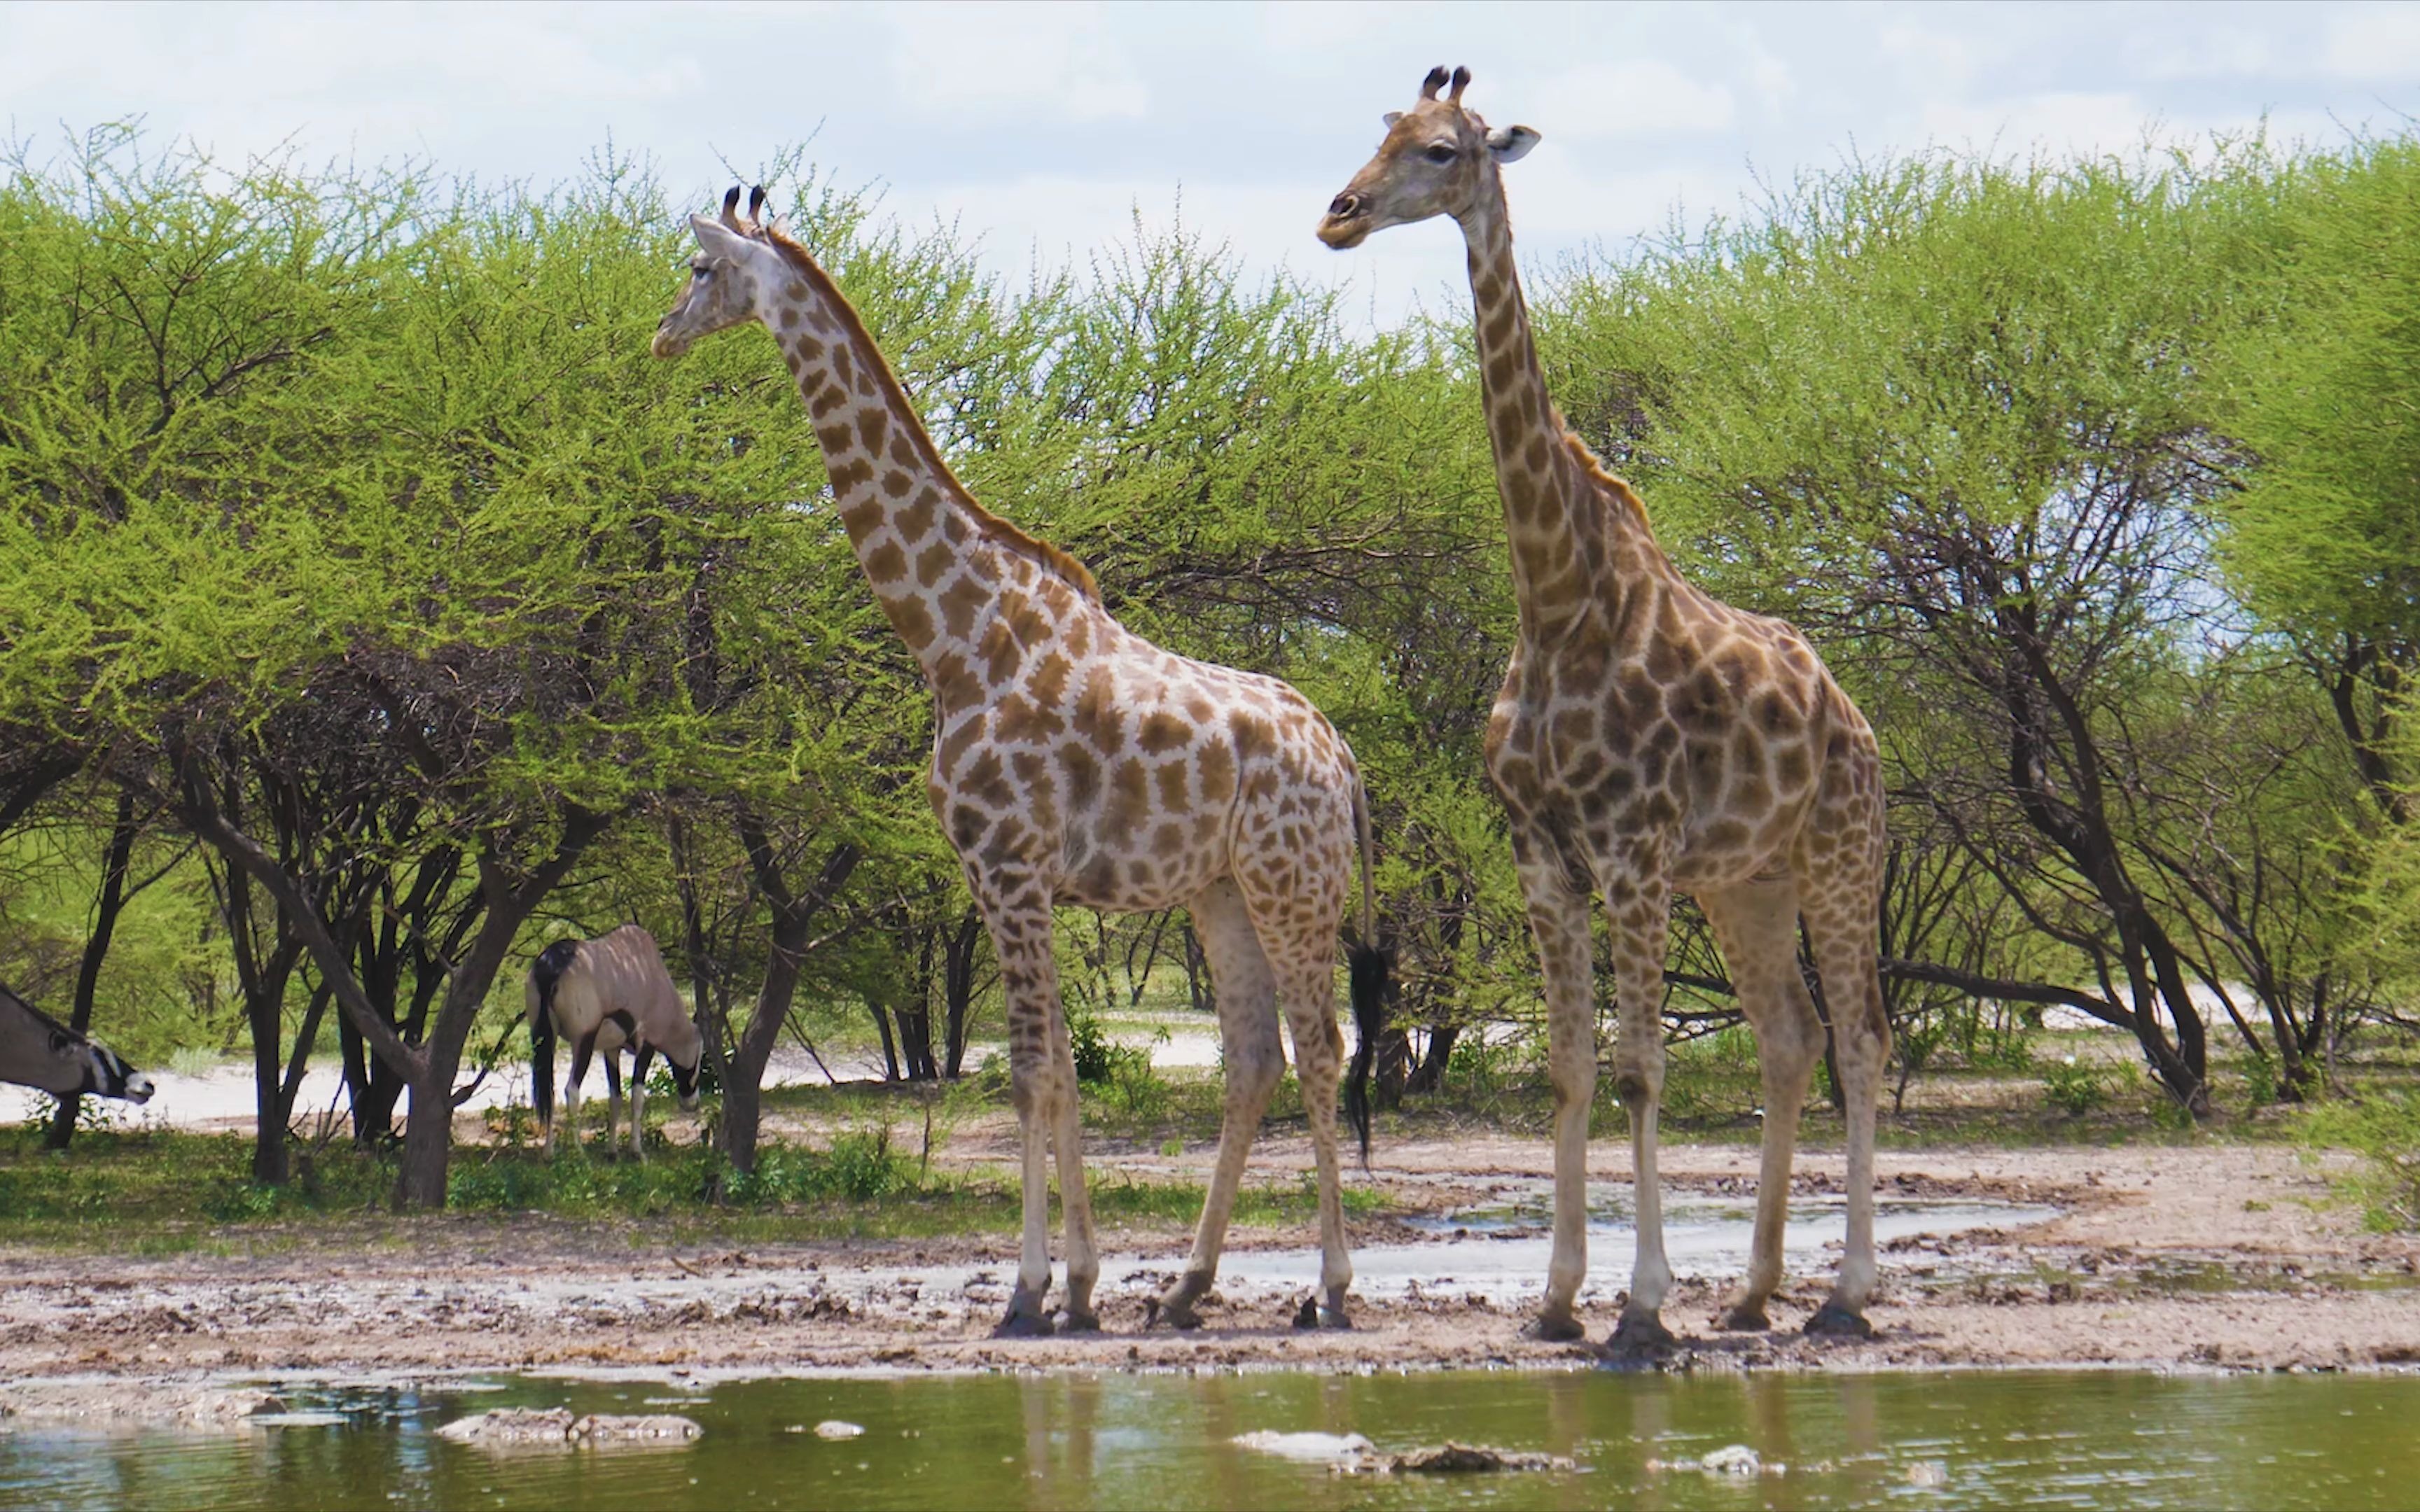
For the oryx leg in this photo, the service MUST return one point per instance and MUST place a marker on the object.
(638, 1100)
(581, 1049)
(613, 1096)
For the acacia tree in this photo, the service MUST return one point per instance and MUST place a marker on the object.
(1946, 414)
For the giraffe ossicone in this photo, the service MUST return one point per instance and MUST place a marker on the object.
(1649, 738)
(1073, 761)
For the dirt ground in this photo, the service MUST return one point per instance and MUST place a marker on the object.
(2214, 1257)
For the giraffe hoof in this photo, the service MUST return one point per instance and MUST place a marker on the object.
(1744, 1319)
(1071, 1321)
(1640, 1334)
(1313, 1314)
(1019, 1326)
(1832, 1320)
(1176, 1315)
(1554, 1328)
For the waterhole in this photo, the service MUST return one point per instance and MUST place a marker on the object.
(2087, 1439)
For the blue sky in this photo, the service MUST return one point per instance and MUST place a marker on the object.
(1042, 128)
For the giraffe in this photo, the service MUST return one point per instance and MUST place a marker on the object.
(1649, 738)
(1076, 763)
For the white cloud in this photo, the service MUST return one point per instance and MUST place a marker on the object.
(2374, 43)
(1055, 59)
(1636, 99)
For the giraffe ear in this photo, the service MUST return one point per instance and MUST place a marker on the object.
(717, 237)
(1511, 144)
(1388, 119)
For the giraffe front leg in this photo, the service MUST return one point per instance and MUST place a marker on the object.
(1029, 981)
(1254, 1058)
(1559, 919)
(1638, 906)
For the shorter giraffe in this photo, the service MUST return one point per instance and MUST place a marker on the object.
(1650, 739)
(1073, 761)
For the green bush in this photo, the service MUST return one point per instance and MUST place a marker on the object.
(2384, 1131)
(2077, 1088)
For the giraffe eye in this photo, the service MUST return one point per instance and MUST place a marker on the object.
(1441, 152)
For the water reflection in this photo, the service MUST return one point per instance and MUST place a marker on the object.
(1067, 1444)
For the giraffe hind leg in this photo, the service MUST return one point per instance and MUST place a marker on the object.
(1843, 932)
(1246, 993)
(1296, 930)
(1756, 923)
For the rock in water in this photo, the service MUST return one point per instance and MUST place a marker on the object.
(1449, 1458)
(1928, 1473)
(832, 1427)
(556, 1427)
(1732, 1460)
(512, 1425)
(646, 1428)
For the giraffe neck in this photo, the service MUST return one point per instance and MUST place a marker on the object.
(1554, 517)
(940, 564)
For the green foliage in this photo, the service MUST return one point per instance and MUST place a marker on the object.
(365, 485)
(2383, 1129)
(2076, 1086)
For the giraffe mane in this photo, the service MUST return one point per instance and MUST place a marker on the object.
(1593, 466)
(991, 526)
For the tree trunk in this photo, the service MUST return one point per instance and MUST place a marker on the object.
(429, 1137)
(792, 916)
(959, 984)
(890, 1050)
(1428, 1075)
(96, 950)
(264, 1009)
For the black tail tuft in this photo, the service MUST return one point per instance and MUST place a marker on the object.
(542, 1064)
(1368, 968)
(545, 972)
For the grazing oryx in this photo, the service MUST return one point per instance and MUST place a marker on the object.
(37, 1051)
(608, 993)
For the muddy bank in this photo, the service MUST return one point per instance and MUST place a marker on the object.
(2217, 1256)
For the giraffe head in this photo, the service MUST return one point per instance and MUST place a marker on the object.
(735, 263)
(1438, 159)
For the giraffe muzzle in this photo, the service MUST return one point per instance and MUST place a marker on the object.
(1345, 225)
(666, 344)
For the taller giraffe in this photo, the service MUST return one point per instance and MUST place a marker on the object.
(1076, 763)
(1650, 738)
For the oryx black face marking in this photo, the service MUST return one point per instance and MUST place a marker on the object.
(37, 1051)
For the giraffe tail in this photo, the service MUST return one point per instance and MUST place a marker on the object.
(1368, 971)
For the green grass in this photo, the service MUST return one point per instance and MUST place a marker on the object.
(161, 1193)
